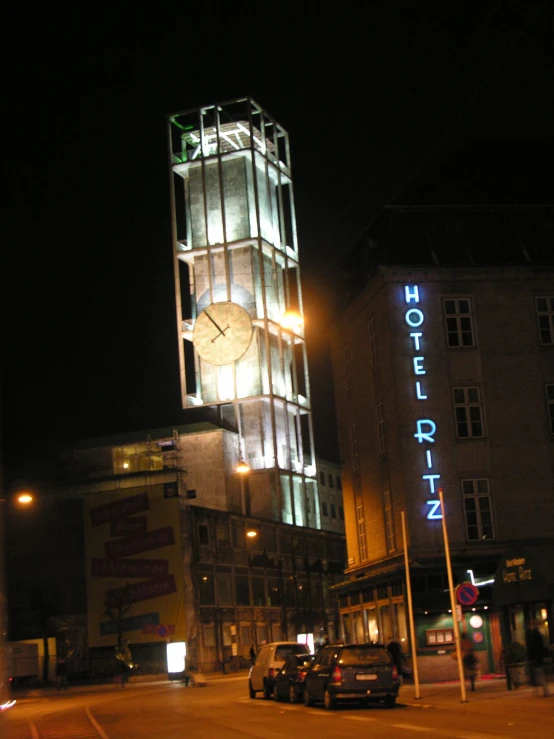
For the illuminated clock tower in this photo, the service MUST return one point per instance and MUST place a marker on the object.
(239, 303)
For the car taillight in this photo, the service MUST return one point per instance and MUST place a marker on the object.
(271, 672)
(394, 673)
(302, 674)
(337, 675)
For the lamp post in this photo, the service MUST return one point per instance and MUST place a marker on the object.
(22, 499)
(243, 469)
(251, 535)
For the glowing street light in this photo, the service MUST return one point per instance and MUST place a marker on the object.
(243, 467)
(24, 498)
(251, 534)
(292, 321)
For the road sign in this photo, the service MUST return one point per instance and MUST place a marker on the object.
(467, 594)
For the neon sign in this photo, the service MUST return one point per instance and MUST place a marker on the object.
(425, 427)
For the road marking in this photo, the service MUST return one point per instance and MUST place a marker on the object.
(34, 731)
(412, 727)
(95, 724)
(360, 718)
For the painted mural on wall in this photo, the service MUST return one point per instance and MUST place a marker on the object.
(133, 566)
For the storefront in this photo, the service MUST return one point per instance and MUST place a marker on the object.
(523, 592)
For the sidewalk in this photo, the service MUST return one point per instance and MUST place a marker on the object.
(448, 694)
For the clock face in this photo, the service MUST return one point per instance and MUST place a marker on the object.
(222, 333)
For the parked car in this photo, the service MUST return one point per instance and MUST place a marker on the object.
(346, 672)
(269, 660)
(289, 681)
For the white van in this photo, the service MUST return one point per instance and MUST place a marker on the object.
(269, 660)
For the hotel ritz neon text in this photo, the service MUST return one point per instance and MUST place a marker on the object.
(425, 427)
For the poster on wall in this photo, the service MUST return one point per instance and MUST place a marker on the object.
(133, 567)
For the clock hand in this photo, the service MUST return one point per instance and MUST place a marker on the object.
(214, 323)
(221, 331)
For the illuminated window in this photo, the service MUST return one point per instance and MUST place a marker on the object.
(439, 636)
(347, 368)
(354, 448)
(372, 343)
(389, 522)
(550, 407)
(545, 318)
(362, 540)
(478, 509)
(459, 322)
(381, 428)
(468, 413)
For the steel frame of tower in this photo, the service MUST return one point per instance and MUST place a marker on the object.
(233, 225)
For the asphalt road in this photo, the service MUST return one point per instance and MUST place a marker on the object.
(223, 709)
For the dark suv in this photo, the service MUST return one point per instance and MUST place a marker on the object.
(361, 672)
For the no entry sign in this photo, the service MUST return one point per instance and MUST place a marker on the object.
(467, 594)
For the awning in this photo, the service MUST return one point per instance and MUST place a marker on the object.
(524, 575)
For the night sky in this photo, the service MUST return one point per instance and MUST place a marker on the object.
(372, 101)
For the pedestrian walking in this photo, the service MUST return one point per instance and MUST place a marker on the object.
(469, 660)
(252, 654)
(61, 674)
(536, 654)
(394, 648)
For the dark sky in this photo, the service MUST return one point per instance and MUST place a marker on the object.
(370, 100)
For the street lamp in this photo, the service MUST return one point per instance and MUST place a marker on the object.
(292, 321)
(243, 469)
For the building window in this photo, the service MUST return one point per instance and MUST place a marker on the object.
(381, 428)
(389, 522)
(203, 534)
(550, 407)
(330, 481)
(354, 448)
(324, 510)
(322, 477)
(439, 636)
(478, 509)
(362, 541)
(347, 368)
(333, 508)
(459, 322)
(206, 586)
(372, 343)
(468, 413)
(208, 633)
(339, 483)
(341, 513)
(545, 318)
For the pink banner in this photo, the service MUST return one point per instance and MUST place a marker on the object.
(146, 590)
(119, 509)
(128, 526)
(140, 543)
(129, 567)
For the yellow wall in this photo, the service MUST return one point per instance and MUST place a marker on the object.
(133, 540)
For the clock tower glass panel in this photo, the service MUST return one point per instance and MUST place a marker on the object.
(237, 277)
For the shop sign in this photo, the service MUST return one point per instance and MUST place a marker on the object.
(425, 427)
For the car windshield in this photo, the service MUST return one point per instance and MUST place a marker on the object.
(360, 655)
(282, 652)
